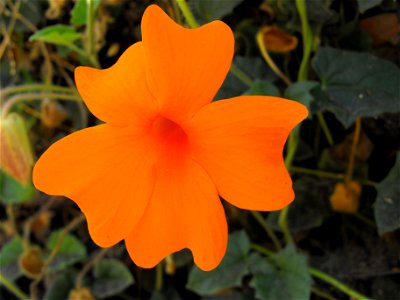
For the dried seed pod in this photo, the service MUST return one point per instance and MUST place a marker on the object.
(277, 40)
(31, 261)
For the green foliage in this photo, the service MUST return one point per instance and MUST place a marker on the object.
(78, 13)
(9, 254)
(57, 34)
(357, 84)
(214, 10)
(70, 251)
(263, 88)
(12, 192)
(301, 92)
(387, 205)
(282, 276)
(111, 277)
(229, 273)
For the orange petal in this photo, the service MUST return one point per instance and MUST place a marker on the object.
(119, 94)
(240, 141)
(107, 172)
(186, 67)
(184, 212)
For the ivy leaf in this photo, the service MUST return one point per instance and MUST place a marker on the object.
(57, 34)
(263, 88)
(112, 277)
(79, 12)
(387, 205)
(229, 273)
(12, 192)
(71, 250)
(214, 10)
(356, 84)
(301, 92)
(282, 276)
(9, 255)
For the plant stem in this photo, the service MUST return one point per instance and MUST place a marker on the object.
(34, 87)
(283, 224)
(190, 19)
(337, 284)
(159, 276)
(243, 77)
(307, 39)
(36, 96)
(322, 294)
(268, 59)
(356, 138)
(260, 219)
(13, 288)
(325, 128)
(90, 264)
(262, 249)
(91, 51)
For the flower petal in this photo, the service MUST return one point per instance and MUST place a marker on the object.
(186, 67)
(184, 212)
(119, 94)
(239, 142)
(107, 172)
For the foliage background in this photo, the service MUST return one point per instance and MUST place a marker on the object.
(339, 236)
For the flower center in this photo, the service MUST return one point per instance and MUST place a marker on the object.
(168, 131)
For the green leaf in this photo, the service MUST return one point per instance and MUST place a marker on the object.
(213, 10)
(9, 255)
(112, 277)
(60, 287)
(364, 5)
(357, 84)
(12, 192)
(71, 250)
(301, 92)
(282, 276)
(263, 88)
(57, 34)
(78, 13)
(229, 273)
(387, 205)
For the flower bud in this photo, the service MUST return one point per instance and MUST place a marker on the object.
(15, 148)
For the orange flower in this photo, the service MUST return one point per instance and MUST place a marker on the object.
(152, 174)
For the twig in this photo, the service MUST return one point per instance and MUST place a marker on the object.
(13, 288)
(36, 96)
